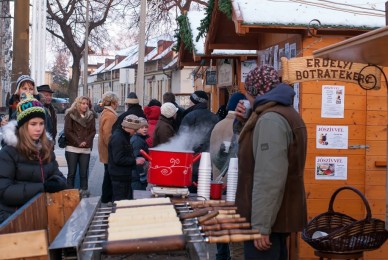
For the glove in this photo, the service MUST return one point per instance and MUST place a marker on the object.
(54, 184)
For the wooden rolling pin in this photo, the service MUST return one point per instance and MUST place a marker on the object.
(231, 232)
(222, 226)
(232, 238)
(203, 219)
(210, 203)
(145, 245)
(224, 220)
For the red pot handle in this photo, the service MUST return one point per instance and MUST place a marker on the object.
(196, 157)
(146, 155)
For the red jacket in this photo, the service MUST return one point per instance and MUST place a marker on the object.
(152, 113)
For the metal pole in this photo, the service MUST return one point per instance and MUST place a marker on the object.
(38, 42)
(386, 13)
(86, 51)
(140, 66)
(21, 41)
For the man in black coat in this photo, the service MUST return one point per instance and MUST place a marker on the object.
(198, 123)
(47, 94)
(133, 109)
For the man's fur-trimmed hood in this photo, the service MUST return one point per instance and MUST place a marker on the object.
(9, 134)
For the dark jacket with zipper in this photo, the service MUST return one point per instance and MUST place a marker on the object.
(121, 160)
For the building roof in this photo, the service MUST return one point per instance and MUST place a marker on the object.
(98, 59)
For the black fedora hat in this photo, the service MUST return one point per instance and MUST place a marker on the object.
(45, 88)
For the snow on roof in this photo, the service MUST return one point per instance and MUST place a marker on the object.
(234, 52)
(195, 18)
(131, 59)
(127, 51)
(151, 55)
(98, 59)
(164, 53)
(339, 13)
(172, 63)
(98, 70)
(110, 66)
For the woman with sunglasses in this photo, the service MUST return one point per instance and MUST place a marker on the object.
(80, 129)
(27, 160)
(121, 158)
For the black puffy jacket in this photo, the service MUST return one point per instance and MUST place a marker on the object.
(21, 178)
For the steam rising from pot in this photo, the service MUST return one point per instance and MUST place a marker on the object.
(188, 139)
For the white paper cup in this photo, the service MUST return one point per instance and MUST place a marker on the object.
(205, 161)
(233, 165)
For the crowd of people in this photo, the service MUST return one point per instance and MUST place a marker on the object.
(269, 141)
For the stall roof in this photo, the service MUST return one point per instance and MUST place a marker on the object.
(339, 13)
(368, 48)
(254, 20)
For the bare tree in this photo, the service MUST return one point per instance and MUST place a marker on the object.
(66, 22)
(161, 15)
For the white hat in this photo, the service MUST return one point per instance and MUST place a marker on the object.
(168, 109)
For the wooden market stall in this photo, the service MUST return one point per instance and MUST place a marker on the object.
(295, 31)
(218, 72)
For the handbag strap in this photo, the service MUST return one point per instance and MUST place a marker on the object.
(368, 211)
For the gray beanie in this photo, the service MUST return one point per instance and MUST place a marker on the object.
(131, 121)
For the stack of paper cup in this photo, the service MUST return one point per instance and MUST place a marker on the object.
(204, 176)
(231, 186)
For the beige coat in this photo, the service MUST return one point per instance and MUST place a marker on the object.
(107, 119)
(222, 131)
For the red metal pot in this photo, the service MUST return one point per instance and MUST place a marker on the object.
(171, 169)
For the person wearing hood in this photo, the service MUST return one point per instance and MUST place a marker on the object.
(164, 129)
(80, 129)
(139, 142)
(134, 108)
(24, 84)
(152, 112)
(27, 159)
(272, 154)
(198, 124)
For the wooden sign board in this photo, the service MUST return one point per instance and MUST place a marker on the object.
(310, 68)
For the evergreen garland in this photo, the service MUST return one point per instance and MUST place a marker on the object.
(225, 6)
(183, 33)
(205, 22)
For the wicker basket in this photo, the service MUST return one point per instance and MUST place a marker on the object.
(345, 234)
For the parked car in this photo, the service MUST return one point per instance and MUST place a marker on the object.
(60, 104)
(98, 107)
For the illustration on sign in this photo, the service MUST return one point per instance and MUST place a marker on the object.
(332, 137)
(333, 101)
(331, 168)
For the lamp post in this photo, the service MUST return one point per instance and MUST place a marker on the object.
(86, 51)
(140, 61)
